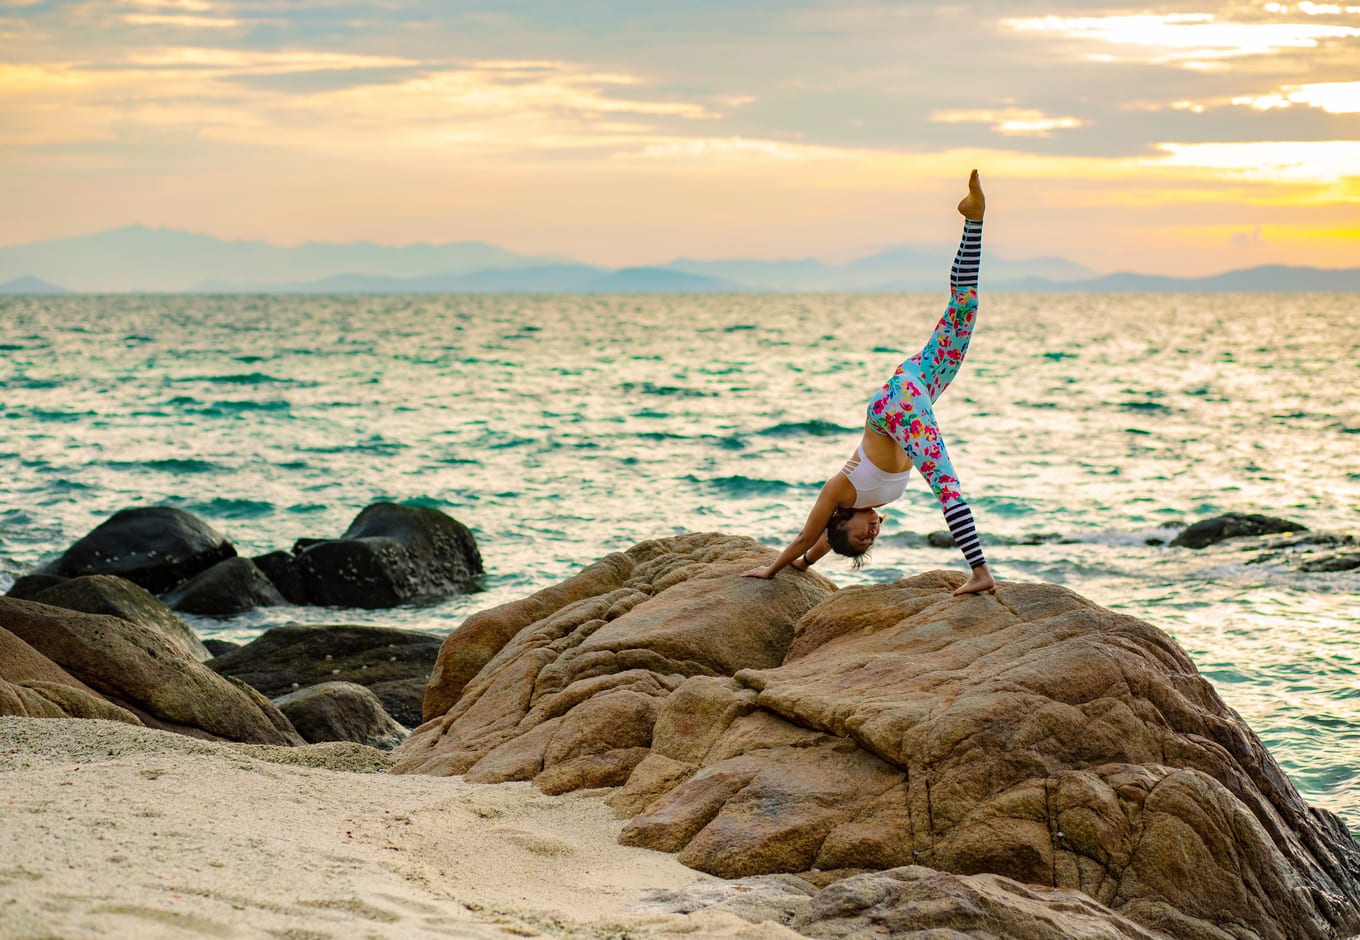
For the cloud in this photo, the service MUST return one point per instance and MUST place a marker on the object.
(1332, 97)
(1288, 161)
(1010, 121)
(1185, 38)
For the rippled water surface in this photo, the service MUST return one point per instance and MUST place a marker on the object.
(563, 428)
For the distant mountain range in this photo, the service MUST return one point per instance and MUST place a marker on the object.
(140, 259)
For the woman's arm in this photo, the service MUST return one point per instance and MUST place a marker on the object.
(837, 491)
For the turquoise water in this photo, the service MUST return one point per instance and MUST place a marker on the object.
(563, 428)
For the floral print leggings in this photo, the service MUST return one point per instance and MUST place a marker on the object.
(902, 409)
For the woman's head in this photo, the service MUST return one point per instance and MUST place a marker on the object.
(851, 532)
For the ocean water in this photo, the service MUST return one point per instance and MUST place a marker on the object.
(560, 428)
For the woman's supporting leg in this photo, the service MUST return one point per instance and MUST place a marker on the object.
(942, 355)
(918, 435)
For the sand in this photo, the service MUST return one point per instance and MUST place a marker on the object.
(108, 830)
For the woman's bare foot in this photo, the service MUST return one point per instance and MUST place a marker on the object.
(973, 205)
(981, 580)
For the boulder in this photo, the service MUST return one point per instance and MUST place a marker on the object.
(1345, 561)
(1028, 734)
(139, 668)
(158, 547)
(28, 586)
(341, 711)
(1233, 525)
(119, 597)
(1023, 737)
(482, 635)
(281, 568)
(220, 647)
(910, 902)
(391, 554)
(571, 700)
(33, 686)
(229, 587)
(394, 664)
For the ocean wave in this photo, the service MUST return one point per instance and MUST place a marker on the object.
(165, 465)
(220, 507)
(741, 486)
(814, 428)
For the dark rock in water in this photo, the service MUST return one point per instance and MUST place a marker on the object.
(783, 726)
(1233, 525)
(220, 647)
(141, 669)
(27, 587)
(1344, 562)
(940, 539)
(341, 711)
(281, 568)
(227, 588)
(119, 597)
(395, 664)
(391, 554)
(158, 547)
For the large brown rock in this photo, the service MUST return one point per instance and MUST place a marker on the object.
(570, 701)
(149, 674)
(910, 903)
(482, 635)
(1028, 734)
(962, 746)
(33, 686)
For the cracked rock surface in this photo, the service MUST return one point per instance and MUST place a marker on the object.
(760, 727)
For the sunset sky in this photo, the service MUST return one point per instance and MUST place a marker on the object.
(1185, 138)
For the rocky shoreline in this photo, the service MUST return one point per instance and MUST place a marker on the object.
(884, 759)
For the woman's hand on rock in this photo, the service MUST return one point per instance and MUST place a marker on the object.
(761, 572)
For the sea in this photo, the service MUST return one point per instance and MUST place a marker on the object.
(1087, 429)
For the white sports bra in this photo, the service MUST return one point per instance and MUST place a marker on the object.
(873, 487)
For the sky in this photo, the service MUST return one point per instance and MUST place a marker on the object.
(1185, 138)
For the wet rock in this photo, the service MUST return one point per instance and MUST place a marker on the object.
(119, 597)
(1341, 562)
(139, 668)
(227, 588)
(157, 547)
(220, 647)
(394, 664)
(281, 569)
(942, 538)
(390, 555)
(570, 701)
(1231, 526)
(29, 586)
(341, 711)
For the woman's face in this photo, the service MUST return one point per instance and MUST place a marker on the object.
(862, 528)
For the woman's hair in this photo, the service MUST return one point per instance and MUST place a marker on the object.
(839, 541)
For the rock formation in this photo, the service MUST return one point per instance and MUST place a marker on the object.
(341, 711)
(762, 727)
(394, 664)
(158, 547)
(139, 669)
(109, 594)
(1233, 525)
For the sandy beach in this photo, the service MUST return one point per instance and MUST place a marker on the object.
(108, 830)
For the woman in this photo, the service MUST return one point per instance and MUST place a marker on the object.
(900, 433)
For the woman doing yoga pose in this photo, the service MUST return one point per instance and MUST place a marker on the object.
(900, 433)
